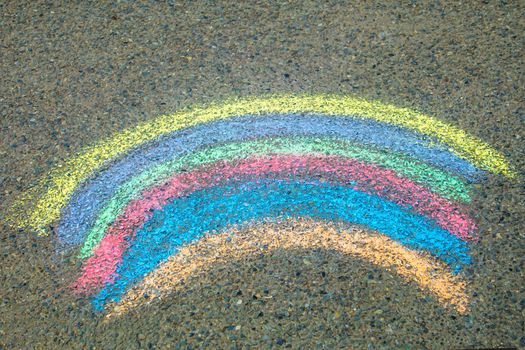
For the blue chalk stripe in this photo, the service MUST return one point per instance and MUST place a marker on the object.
(87, 201)
(186, 219)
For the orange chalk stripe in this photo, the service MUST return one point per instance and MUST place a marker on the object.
(428, 273)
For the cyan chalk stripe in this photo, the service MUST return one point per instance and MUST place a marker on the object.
(187, 218)
(88, 199)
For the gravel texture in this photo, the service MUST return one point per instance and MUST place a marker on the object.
(74, 74)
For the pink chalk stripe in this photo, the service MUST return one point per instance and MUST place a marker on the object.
(101, 266)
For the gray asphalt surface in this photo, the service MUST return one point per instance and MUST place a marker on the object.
(72, 74)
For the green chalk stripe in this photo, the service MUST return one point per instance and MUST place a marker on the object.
(438, 181)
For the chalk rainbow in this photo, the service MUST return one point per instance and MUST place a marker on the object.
(378, 182)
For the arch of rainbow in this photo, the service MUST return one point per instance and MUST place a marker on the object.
(332, 158)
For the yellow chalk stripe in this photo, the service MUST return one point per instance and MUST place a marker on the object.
(60, 183)
(201, 256)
